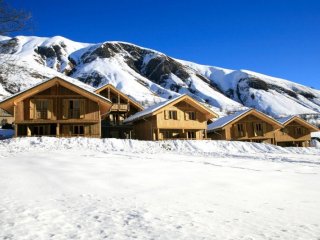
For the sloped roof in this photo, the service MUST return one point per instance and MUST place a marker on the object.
(283, 120)
(153, 109)
(74, 82)
(134, 102)
(286, 120)
(221, 122)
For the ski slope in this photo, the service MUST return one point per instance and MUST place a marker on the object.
(124, 189)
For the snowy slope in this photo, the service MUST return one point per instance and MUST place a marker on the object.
(274, 96)
(151, 77)
(122, 189)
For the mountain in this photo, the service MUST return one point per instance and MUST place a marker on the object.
(150, 76)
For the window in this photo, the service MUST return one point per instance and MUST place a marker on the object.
(170, 134)
(40, 130)
(41, 109)
(190, 116)
(77, 130)
(258, 129)
(114, 100)
(284, 131)
(191, 135)
(240, 130)
(299, 131)
(74, 108)
(173, 115)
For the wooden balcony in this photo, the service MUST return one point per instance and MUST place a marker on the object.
(122, 107)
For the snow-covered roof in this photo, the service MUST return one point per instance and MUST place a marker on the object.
(221, 122)
(283, 120)
(151, 109)
(72, 81)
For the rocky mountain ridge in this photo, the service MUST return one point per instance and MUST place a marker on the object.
(149, 76)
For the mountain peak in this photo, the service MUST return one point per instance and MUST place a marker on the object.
(150, 76)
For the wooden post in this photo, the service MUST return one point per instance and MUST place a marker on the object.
(100, 130)
(28, 131)
(15, 119)
(109, 93)
(16, 130)
(58, 130)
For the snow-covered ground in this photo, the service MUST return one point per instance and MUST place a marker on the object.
(123, 189)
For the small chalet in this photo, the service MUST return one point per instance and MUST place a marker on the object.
(179, 118)
(247, 125)
(122, 107)
(5, 117)
(57, 107)
(295, 132)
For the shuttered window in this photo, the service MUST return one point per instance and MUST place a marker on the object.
(240, 130)
(74, 108)
(258, 129)
(41, 109)
(190, 115)
(172, 115)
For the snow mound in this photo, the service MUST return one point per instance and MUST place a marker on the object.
(193, 147)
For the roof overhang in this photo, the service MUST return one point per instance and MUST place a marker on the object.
(208, 113)
(133, 102)
(203, 109)
(256, 113)
(8, 103)
(301, 121)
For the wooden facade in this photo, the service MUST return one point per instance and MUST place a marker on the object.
(122, 107)
(57, 108)
(249, 125)
(180, 118)
(295, 132)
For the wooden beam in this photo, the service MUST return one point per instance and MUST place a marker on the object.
(58, 130)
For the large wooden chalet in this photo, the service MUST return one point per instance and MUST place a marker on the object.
(122, 107)
(295, 132)
(179, 118)
(57, 107)
(247, 125)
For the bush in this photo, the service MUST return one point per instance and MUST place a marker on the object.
(7, 126)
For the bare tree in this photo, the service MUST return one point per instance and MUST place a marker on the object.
(11, 21)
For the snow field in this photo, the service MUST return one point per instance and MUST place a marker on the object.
(124, 189)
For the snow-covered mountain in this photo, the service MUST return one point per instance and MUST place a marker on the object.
(149, 76)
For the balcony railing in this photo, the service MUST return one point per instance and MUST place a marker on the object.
(119, 107)
(74, 113)
(42, 114)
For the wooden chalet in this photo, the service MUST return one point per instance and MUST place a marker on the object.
(122, 107)
(57, 107)
(295, 132)
(179, 118)
(5, 117)
(247, 125)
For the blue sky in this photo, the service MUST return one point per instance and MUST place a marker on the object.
(277, 38)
